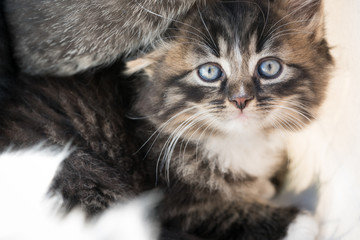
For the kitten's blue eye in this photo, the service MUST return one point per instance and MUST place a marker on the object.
(269, 68)
(210, 72)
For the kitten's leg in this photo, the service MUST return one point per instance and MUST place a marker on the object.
(212, 217)
(86, 181)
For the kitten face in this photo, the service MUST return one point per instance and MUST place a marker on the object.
(243, 70)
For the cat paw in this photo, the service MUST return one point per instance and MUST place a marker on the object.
(304, 226)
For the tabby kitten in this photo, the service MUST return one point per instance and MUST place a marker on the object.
(219, 95)
(209, 114)
(65, 37)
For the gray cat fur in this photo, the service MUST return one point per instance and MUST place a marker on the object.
(63, 37)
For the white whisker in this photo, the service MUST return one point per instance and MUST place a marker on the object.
(182, 150)
(276, 123)
(286, 24)
(295, 111)
(298, 105)
(201, 135)
(196, 41)
(162, 126)
(170, 143)
(283, 121)
(288, 32)
(171, 19)
(267, 18)
(287, 115)
(212, 40)
(199, 44)
(289, 14)
(292, 120)
(206, 122)
(195, 34)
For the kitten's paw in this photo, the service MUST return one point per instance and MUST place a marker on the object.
(303, 227)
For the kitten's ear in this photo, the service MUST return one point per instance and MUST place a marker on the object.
(309, 13)
(138, 65)
(143, 63)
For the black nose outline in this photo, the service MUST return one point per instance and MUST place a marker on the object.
(241, 101)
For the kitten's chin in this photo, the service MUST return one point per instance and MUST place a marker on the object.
(241, 122)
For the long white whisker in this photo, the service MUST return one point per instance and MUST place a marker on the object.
(188, 138)
(173, 20)
(283, 121)
(187, 124)
(175, 140)
(277, 117)
(275, 120)
(206, 122)
(298, 105)
(212, 40)
(288, 32)
(295, 111)
(195, 34)
(199, 44)
(292, 120)
(202, 134)
(292, 22)
(289, 14)
(162, 126)
(171, 143)
(267, 18)
(277, 124)
(196, 41)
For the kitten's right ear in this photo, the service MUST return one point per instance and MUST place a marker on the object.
(309, 13)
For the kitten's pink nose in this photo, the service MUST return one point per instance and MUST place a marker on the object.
(241, 101)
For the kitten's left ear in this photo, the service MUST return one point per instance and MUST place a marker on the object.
(309, 13)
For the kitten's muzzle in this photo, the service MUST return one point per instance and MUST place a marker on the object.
(241, 101)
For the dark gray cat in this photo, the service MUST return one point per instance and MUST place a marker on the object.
(204, 119)
(65, 37)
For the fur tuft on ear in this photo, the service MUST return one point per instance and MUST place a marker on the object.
(144, 62)
(307, 8)
(137, 65)
(308, 13)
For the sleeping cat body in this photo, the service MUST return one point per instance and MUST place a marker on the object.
(212, 107)
(65, 37)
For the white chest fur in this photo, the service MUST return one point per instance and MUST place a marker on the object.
(258, 154)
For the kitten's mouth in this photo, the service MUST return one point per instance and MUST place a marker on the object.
(243, 114)
(244, 117)
(240, 116)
